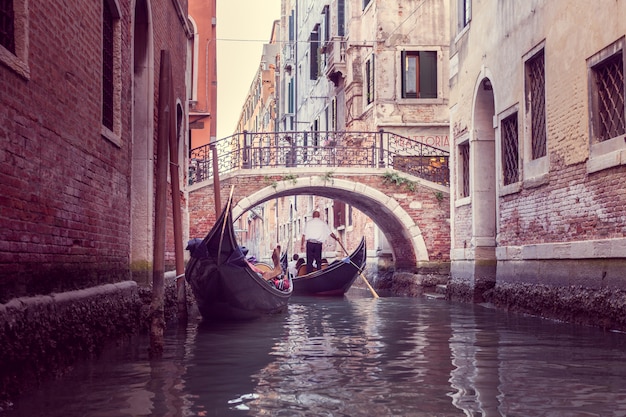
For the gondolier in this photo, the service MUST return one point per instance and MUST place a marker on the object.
(316, 231)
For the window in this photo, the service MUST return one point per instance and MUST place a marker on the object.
(510, 149)
(608, 96)
(465, 12)
(341, 17)
(536, 103)
(290, 96)
(464, 178)
(107, 67)
(111, 77)
(314, 52)
(365, 3)
(419, 74)
(333, 114)
(326, 21)
(7, 30)
(14, 36)
(339, 210)
(369, 80)
(607, 109)
(349, 215)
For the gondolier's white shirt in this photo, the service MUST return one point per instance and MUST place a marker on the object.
(316, 230)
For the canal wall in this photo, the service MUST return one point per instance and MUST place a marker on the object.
(43, 336)
(587, 292)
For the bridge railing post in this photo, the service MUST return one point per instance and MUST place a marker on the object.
(381, 148)
(246, 161)
(290, 156)
(305, 148)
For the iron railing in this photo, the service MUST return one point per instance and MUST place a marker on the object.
(321, 149)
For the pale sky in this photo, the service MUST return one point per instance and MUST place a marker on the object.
(243, 26)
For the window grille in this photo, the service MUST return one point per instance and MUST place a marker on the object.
(7, 25)
(510, 150)
(535, 69)
(464, 153)
(609, 80)
(107, 66)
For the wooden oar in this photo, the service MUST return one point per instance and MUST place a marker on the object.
(359, 269)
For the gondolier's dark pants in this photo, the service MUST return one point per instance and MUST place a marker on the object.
(313, 253)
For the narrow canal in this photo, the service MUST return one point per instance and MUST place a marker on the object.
(354, 356)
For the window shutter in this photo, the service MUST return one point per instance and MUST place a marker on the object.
(403, 72)
(339, 211)
(341, 17)
(291, 98)
(314, 54)
(428, 74)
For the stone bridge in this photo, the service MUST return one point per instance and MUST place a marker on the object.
(413, 213)
(400, 183)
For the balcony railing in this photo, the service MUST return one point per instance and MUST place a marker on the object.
(323, 150)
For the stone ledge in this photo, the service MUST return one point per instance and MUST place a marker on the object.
(43, 336)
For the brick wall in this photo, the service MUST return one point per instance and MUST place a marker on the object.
(64, 188)
(572, 206)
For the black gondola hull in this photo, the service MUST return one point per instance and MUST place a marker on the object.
(336, 279)
(223, 284)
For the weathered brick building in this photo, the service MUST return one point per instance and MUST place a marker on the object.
(79, 85)
(538, 184)
(77, 155)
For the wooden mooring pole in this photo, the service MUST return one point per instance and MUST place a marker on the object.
(181, 294)
(157, 315)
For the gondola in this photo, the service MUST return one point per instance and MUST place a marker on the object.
(224, 285)
(334, 279)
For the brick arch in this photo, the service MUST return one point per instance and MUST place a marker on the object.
(404, 235)
(416, 222)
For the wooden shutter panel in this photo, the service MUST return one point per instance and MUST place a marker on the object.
(428, 74)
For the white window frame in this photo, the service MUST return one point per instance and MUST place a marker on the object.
(611, 152)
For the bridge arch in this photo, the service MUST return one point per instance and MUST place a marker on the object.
(403, 234)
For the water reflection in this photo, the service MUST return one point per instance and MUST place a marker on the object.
(222, 361)
(354, 357)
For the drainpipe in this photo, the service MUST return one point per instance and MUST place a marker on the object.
(213, 105)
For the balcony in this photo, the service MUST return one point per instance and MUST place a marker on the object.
(335, 51)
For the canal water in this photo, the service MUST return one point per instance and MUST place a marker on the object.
(353, 356)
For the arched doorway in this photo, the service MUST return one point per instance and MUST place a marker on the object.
(142, 186)
(483, 187)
